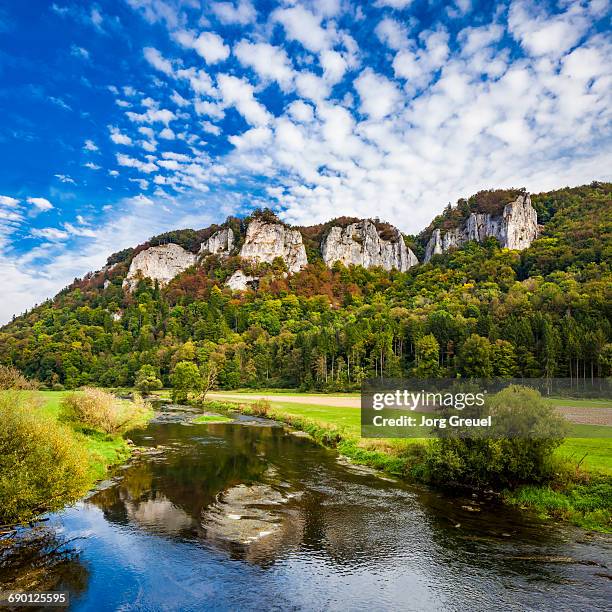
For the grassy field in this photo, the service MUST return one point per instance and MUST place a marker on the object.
(104, 450)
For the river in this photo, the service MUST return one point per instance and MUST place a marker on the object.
(248, 516)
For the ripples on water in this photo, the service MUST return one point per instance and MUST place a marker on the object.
(178, 529)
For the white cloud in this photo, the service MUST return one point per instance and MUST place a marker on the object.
(392, 33)
(541, 33)
(302, 25)
(90, 145)
(158, 61)
(42, 204)
(379, 96)
(152, 116)
(79, 231)
(208, 45)
(241, 12)
(117, 137)
(64, 178)
(8, 201)
(79, 52)
(239, 93)
(92, 166)
(395, 4)
(131, 162)
(50, 233)
(268, 61)
(167, 134)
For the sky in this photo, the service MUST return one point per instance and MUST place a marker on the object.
(122, 119)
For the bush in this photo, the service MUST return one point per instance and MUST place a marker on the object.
(147, 380)
(57, 387)
(42, 467)
(98, 409)
(261, 407)
(12, 378)
(499, 459)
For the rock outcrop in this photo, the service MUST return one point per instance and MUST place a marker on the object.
(265, 242)
(516, 228)
(361, 245)
(220, 243)
(239, 281)
(161, 263)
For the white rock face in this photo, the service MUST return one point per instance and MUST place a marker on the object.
(239, 281)
(516, 228)
(266, 241)
(220, 243)
(359, 244)
(161, 263)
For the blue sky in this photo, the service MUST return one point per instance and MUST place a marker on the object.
(122, 119)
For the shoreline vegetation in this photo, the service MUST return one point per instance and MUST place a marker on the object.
(578, 491)
(56, 445)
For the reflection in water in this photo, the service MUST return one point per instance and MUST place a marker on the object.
(236, 516)
(39, 559)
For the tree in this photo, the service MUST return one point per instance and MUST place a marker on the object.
(427, 352)
(475, 357)
(185, 379)
(147, 380)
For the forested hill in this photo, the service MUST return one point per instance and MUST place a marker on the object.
(475, 311)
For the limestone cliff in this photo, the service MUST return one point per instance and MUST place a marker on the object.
(220, 243)
(361, 245)
(239, 281)
(516, 228)
(161, 263)
(266, 241)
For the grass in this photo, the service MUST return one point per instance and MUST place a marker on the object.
(104, 450)
(212, 418)
(572, 402)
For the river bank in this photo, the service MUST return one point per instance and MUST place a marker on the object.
(581, 495)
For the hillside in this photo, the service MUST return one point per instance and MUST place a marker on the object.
(476, 310)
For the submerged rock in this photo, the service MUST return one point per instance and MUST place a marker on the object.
(244, 514)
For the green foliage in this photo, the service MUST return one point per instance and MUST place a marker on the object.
(475, 358)
(186, 380)
(518, 449)
(147, 380)
(102, 411)
(42, 467)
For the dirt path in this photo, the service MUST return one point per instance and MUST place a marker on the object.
(580, 416)
(314, 400)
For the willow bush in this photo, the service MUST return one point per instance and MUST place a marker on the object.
(97, 409)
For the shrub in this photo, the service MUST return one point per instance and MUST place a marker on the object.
(98, 409)
(42, 467)
(57, 387)
(519, 449)
(147, 380)
(12, 378)
(261, 407)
